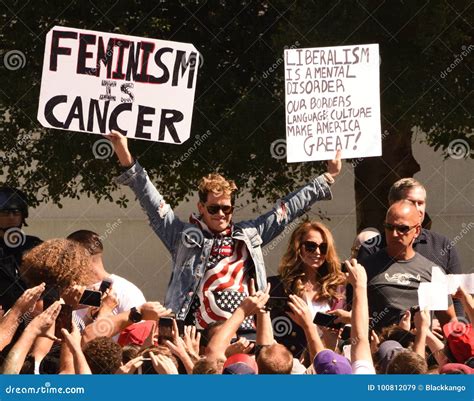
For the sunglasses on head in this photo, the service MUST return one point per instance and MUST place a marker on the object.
(400, 228)
(226, 209)
(311, 247)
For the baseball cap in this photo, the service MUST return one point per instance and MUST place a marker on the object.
(460, 338)
(327, 362)
(240, 364)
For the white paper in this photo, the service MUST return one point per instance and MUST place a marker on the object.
(433, 296)
(95, 81)
(466, 281)
(332, 98)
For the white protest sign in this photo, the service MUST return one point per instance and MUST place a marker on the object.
(453, 281)
(435, 295)
(95, 82)
(332, 102)
(432, 296)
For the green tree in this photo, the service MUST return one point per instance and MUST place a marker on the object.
(239, 103)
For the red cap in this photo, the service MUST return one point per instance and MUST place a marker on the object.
(460, 338)
(455, 368)
(242, 358)
(136, 333)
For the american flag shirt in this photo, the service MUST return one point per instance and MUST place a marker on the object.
(225, 281)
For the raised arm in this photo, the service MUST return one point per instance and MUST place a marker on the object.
(357, 277)
(162, 218)
(38, 326)
(111, 325)
(301, 315)
(221, 339)
(467, 302)
(294, 205)
(73, 342)
(422, 325)
(19, 311)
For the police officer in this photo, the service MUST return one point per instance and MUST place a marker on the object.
(13, 243)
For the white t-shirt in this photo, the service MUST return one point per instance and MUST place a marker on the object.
(363, 367)
(128, 295)
(318, 306)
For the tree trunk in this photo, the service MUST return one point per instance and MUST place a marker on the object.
(375, 175)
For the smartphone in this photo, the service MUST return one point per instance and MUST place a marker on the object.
(346, 332)
(165, 329)
(180, 324)
(344, 268)
(326, 320)
(277, 303)
(104, 286)
(146, 367)
(49, 296)
(64, 320)
(91, 298)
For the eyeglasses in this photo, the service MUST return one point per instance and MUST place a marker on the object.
(226, 209)
(11, 212)
(311, 247)
(400, 228)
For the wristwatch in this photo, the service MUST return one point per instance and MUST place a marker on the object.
(135, 316)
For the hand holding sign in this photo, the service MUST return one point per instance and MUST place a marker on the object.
(335, 166)
(120, 144)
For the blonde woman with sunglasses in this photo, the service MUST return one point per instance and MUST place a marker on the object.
(310, 269)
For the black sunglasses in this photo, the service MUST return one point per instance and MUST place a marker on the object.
(226, 209)
(400, 228)
(311, 247)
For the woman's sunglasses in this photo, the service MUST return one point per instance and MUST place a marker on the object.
(226, 209)
(311, 247)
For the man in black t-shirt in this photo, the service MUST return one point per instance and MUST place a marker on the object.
(395, 272)
(433, 246)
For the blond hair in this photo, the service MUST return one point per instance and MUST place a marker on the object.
(291, 267)
(216, 184)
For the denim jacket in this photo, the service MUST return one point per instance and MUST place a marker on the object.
(190, 248)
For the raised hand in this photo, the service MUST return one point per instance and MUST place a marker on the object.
(163, 365)
(153, 311)
(192, 339)
(120, 145)
(335, 166)
(300, 312)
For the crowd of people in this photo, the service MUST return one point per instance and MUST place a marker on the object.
(63, 312)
